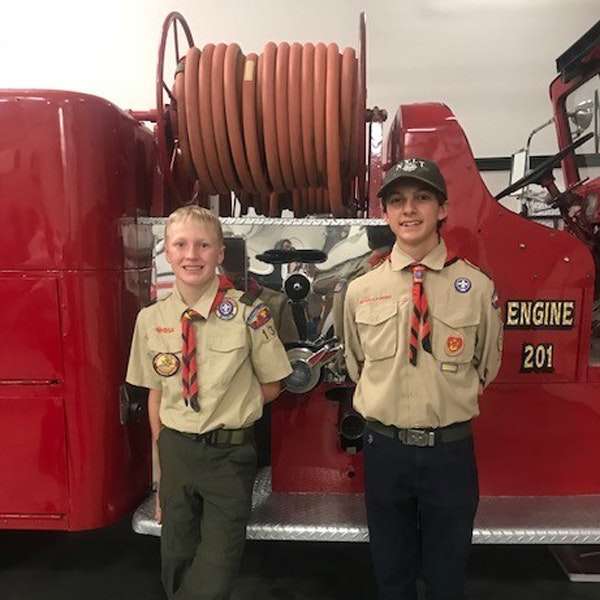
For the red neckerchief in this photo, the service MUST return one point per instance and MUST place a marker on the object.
(377, 258)
(224, 285)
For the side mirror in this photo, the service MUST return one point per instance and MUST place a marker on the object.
(519, 165)
(582, 116)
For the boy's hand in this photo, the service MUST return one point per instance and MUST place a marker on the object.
(157, 509)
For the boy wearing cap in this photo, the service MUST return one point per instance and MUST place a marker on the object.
(423, 339)
(210, 361)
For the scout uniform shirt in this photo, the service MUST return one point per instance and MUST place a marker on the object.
(466, 339)
(237, 349)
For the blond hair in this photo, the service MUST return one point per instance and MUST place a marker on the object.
(198, 214)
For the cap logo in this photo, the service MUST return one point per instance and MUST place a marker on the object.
(409, 165)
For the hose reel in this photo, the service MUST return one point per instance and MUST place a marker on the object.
(283, 129)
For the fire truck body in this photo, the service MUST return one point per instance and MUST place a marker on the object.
(74, 270)
(76, 176)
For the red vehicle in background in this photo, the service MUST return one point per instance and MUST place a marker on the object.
(87, 186)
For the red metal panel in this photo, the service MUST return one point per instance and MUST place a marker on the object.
(74, 170)
(75, 173)
(307, 456)
(34, 468)
(29, 322)
(109, 464)
(539, 440)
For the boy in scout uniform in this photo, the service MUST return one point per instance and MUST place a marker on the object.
(210, 362)
(423, 339)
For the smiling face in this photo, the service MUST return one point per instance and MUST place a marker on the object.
(194, 250)
(414, 211)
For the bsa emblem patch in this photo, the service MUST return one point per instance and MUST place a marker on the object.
(462, 285)
(259, 316)
(454, 345)
(227, 309)
(166, 364)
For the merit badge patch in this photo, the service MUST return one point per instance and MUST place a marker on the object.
(462, 285)
(166, 364)
(447, 367)
(259, 316)
(227, 309)
(454, 345)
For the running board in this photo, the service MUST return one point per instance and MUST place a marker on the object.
(551, 520)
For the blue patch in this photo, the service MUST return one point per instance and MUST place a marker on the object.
(462, 285)
(227, 309)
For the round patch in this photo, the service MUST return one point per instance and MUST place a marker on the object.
(166, 364)
(462, 285)
(454, 345)
(227, 309)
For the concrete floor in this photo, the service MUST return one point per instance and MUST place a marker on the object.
(115, 563)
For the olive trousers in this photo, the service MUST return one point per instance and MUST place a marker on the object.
(206, 498)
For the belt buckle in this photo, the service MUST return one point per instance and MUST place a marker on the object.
(419, 437)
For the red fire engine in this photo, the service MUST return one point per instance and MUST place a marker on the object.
(86, 187)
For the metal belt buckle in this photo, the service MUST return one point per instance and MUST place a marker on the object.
(419, 437)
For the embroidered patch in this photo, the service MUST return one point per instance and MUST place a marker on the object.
(227, 309)
(166, 364)
(259, 316)
(339, 286)
(447, 367)
(462, 285)
(454, 345)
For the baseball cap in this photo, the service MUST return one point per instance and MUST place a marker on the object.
(414, 168)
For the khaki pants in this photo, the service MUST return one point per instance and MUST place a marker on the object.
(206, 497)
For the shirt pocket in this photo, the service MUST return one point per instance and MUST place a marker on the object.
(165, 342)
(165, 351)
(378, 329)
(454, 338)
(227, 343)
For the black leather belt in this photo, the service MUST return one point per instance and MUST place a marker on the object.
(426, 436)
(233, 437)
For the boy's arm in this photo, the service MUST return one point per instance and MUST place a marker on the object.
(154, 397)
(488, 350)
(270, 391)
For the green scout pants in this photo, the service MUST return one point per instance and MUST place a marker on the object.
(206, 497)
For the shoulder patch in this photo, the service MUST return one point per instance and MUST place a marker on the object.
(259, 316)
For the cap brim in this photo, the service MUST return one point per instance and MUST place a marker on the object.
(388, 185)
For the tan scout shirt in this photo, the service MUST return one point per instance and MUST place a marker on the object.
(235, 354)
(466, 336)
(282, 314)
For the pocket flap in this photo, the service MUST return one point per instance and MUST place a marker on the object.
(375, 313)
(165, 342)
(227, 343)
(459, 320)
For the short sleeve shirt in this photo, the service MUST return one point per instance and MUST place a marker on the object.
(466, 338)
(237, 350)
